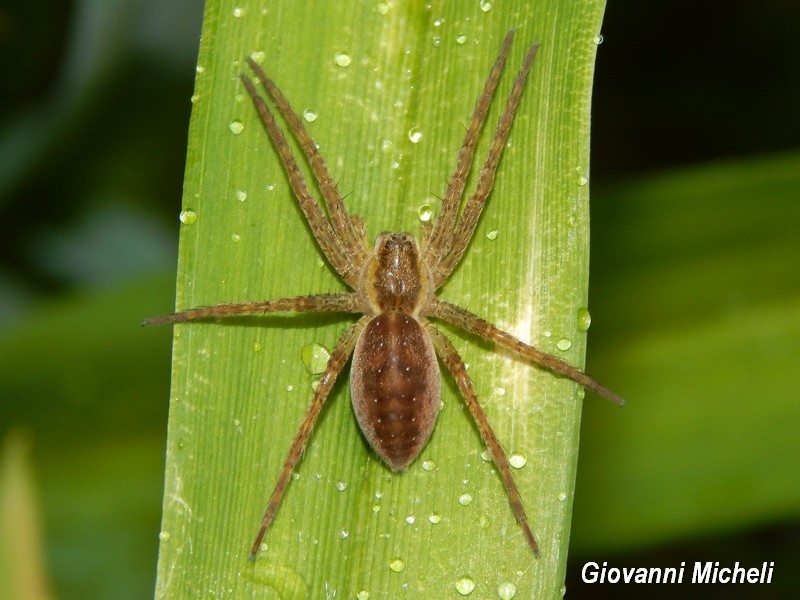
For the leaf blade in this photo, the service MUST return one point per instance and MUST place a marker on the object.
(224, 391)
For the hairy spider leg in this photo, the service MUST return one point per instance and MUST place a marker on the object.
(346, 265)
(463, 231)
(354, 241)
(339, 357)
(472, 323)
(454, 363)
(437, 242)
(345, 302)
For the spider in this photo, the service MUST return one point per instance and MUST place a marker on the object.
(394, 380)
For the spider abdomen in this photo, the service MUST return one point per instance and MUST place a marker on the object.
(395, 388)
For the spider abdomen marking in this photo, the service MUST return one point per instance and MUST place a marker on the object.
(395, 387)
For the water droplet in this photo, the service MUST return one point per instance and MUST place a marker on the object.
(164, 536)
(465, 499)
(486, 6)
(435, 518)
(315, 357)
(485, 456)
(563, 344)
(425, 213)
(583, 180)
(235, 238)
(376, 508)
(584, 319)
(386, 146)
(236, 126)
(598, 39)
(341, 485)
(562, 496)
(342, 59)
(257, 347)
(258, 57)
(310, 115)
(383, 8)
(362, 595)
(290, 388)
(410, 519)
(238, 12)
(397, 565)
(200, 69)
(517, 460)
(415, 135)
(461, 39)
(506, 590)
(241, 195)
(195, 98)
(188, 217)
(344, 534)
(428, 465)
(438, 22)
(465, 586)
(437, 40)
(492, 235)
(270, 187)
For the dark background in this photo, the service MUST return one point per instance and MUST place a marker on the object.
(94, 110)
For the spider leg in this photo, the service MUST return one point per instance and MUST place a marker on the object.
(474, 324)
(351, 240)
(472, 209)
(339, 357)
(441, 236)
(450, 357)
(360, 228)
(345, 302)
(330, 244)
(427, 229)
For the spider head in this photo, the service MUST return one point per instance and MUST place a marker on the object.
(395, 278)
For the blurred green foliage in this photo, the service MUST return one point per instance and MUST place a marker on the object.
(709, 361)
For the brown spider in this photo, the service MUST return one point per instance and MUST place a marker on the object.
(395, 385)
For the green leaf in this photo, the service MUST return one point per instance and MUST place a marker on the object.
(370, 79)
